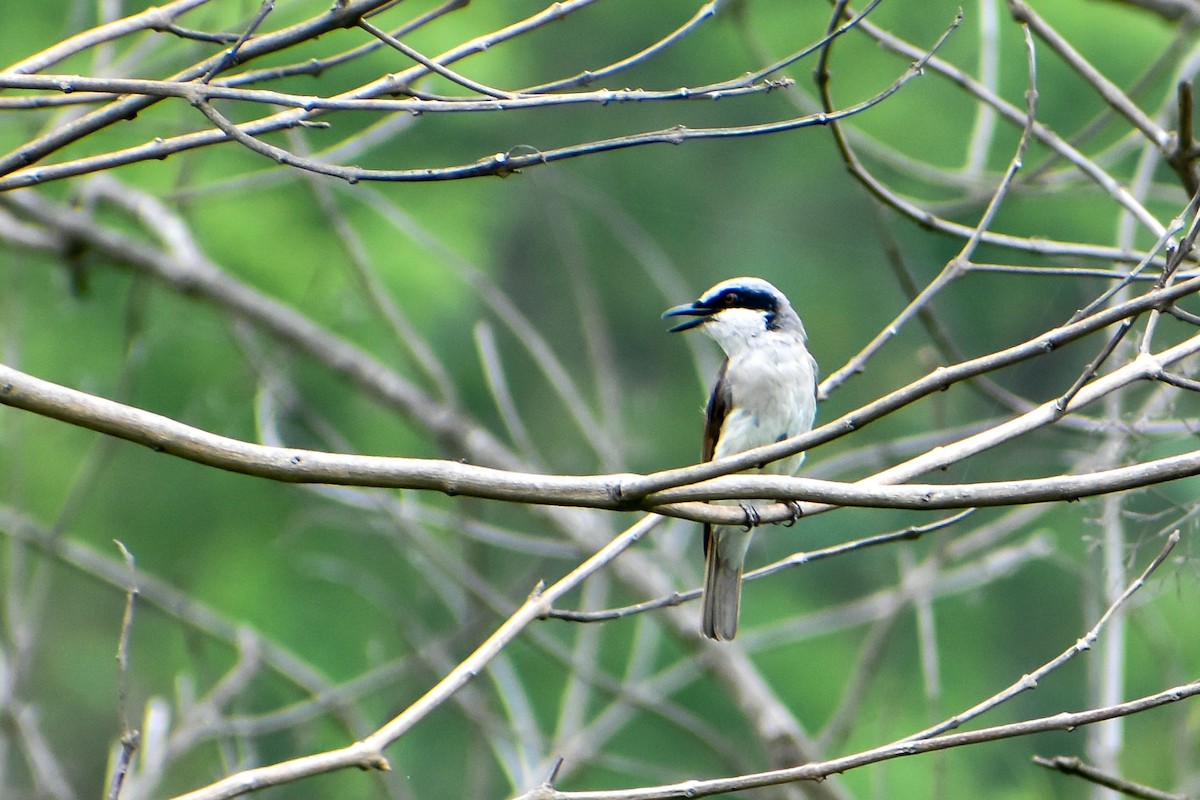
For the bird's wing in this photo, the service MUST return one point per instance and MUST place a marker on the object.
(718, 408)
(816, 373)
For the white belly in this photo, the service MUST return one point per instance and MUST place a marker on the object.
(773, 397)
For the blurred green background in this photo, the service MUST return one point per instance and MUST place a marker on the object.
(397, 586)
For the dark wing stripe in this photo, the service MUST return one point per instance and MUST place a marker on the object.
(718, 408)
(816, 372)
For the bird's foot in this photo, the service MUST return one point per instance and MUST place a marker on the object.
(752, 516)
(797, 512)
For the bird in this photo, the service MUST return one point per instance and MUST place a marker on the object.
(765, 392)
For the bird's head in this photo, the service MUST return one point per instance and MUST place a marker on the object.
(737, 310)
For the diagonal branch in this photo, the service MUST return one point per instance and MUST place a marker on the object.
(368, 753)
(1065, 721)
(1112, 94)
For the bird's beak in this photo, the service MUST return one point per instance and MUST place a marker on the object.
(702, 314)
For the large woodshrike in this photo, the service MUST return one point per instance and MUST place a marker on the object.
(766, 391)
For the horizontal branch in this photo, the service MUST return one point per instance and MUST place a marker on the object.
(294, 465)
(513, 161)
(690, 502)
(104, 88)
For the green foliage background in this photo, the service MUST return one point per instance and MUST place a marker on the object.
(611, 240)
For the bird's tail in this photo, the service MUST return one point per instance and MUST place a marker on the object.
(723, 561)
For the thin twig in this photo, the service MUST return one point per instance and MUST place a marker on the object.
(1090, 371)
(368, 752)
(507, 163)
(955, 267)
(1176, 252)
(1068, 272)
(1163, 241)
(820, 770)
(1071, 765)
(1180, 381)
(1108, 90)
(1015, 116)
(802, 558)
(129, 736)
(145, 20)
(319, 66)
(418, 103)
(432, 65)
(588, 77)
(1030, 680)
(230, 55)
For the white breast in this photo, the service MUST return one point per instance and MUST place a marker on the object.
(773, 388)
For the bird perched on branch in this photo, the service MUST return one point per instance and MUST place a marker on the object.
(766, 391)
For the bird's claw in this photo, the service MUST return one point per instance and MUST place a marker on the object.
(797, 512)
(752, 516)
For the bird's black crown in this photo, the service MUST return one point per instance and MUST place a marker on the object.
(743, 297)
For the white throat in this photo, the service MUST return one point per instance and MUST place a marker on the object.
(735, 328)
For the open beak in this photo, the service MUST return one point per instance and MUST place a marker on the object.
(702, 314)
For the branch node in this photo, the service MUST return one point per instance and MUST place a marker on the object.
(375, 761)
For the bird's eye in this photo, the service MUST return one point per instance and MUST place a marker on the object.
(730, 298)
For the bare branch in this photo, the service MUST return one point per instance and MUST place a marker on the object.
(1071, 765)
(507, 163)
(617, 492)
(1065, 721)
(1030, 680)
(232, 54)
(32, 152)
(559, 265)
(1043, 134)
(368, 753)
(1108, 90)
(152, 18)
(129, 736)
(802, 558)
(433, 66)
(956, 266)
